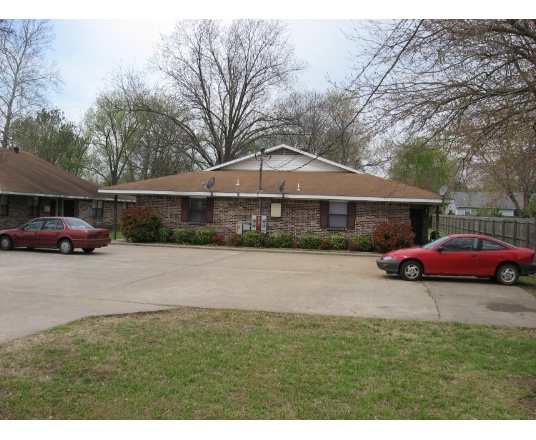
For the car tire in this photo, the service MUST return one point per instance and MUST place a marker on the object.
(66, 247)
(6, 244)
(88, 250)
(507, 274)
(411, 270)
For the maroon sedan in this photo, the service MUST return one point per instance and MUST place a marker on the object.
(461, 255)
(63, 233)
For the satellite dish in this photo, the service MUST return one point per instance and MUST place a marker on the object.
(282, 186)
(443, 190)
(210, 184)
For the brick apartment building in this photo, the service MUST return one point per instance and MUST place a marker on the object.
(31, 187)
(295, 192)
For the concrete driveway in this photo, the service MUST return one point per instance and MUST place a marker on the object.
(41, 289)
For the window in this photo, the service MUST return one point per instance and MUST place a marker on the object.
(97, 208)
(338, 212)
(461, 245)
(337, 215)
(34, 225)
(54, 224)
(198, 210)
(33, 206)
(3, 205)
(488, 245)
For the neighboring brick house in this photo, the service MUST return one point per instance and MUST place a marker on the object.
(32, 187)
(318, 196)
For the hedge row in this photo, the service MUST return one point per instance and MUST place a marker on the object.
(145, 225)
(257, 239)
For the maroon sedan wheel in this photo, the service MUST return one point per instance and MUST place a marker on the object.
(6, 244)
(66, 247)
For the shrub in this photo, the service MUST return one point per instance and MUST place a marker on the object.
(280, 240)
(363, 243)
(165, 235)
(253, 239)
(310, 241)
(218, 240)
(235, 240)
(204, 236)
(140, 224)
(184, 236)
(392, 235)
(339, 242)
(325, 244)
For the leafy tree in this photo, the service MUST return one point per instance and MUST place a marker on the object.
(419, 164)
(50, 136)
(225, 77)
(114, 135)
(25, 73)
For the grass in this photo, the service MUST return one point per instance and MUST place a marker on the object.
(118, 233)
(528, 283)
(218, 364)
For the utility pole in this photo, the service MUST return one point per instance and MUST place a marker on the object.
(261, 158)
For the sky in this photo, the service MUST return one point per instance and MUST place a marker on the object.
(92, 39)
(88, 51)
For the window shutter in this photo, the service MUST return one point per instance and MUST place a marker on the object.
(351, 215)
(324, 214)
(210, 210)
(185, 208)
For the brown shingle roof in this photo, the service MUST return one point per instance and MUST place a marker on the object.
(325, 185)
(24, 173)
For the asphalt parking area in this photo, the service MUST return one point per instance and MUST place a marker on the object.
(41, 289)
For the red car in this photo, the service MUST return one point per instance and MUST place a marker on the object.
(63, 233)
(461, 255)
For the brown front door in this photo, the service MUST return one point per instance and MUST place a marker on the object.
(415, 216)
(69, 208)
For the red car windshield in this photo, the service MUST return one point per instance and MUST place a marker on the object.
(434, 243)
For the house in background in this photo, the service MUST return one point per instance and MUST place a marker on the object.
(285, 190)
(32, 187)
(473, 203)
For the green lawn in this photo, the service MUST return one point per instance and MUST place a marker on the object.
(216, 364)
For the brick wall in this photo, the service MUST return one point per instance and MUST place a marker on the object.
(297, 216)
(18, 212)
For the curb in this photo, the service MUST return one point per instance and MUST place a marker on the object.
(122, 242)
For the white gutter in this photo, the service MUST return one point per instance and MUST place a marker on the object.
(276, 196)
(55, 196)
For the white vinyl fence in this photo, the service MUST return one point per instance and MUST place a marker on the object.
(517, 231)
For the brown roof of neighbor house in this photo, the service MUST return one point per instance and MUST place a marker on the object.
(25, 174)
(312, 185)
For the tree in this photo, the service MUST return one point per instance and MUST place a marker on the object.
(420, 165)
(509, 166)
(431, 77)
(114, 135)
(160, 148)
(226, 77)
(50, 136)
(25, 74)
(323, 124)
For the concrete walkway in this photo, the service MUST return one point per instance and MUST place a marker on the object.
(41, 289)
